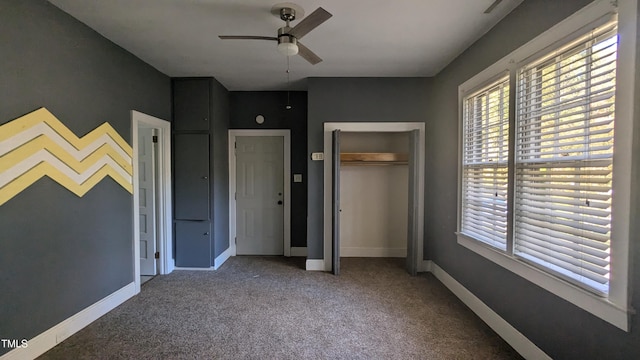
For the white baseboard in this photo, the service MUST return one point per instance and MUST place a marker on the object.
(299, 251)
(372, 252)
(511, 335)
(217, 262)
(315, 265)
(58, 333)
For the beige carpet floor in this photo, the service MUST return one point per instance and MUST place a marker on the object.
(270, 308)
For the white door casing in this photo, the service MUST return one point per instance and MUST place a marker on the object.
(164, 228)
(286, 178)
(147, 201)
(259, 195)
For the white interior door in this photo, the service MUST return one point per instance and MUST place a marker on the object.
(259, 195)
(146, 175)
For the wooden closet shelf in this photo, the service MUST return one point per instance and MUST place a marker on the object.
(373, 159)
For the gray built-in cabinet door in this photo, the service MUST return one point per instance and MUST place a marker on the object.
(193, 248)
(191, 104)
(191, 179)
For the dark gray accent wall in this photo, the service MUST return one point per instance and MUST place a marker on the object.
(354, 100)
(60, 253)
(219, 167)
(561, 329)
(245, 106)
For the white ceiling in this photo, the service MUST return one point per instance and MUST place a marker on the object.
(364, 38)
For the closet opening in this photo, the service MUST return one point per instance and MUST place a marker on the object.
(374, 181)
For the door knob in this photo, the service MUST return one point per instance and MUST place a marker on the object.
(205, 177)
(279, 202)
(207, 233)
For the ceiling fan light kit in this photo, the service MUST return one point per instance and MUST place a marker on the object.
(288, 37)
(287, 44)
(288, 48)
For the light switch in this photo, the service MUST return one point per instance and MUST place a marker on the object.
(297, 178)
(317, 156)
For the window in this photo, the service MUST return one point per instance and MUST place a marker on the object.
(564, 159)
(542, 191)
(484, 169)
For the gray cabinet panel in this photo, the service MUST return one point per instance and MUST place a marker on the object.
(193, 243)
(191, 104)
(191, 179)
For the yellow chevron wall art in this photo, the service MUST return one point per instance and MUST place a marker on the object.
(38, 144)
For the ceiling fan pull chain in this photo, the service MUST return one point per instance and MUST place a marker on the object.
(288, 106)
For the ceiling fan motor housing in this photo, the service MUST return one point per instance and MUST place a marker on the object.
(287, 14)
(285, 37)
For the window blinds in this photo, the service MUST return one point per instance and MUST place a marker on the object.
(484, 164)
(563, 160)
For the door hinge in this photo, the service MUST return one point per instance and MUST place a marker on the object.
(157, 255)
(155, 138)
(235, 196)
(235, 240)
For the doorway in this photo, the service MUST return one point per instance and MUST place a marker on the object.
(259, 192)
(412, 177)
(152, 224)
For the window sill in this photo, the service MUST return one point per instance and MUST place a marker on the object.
(603, 308)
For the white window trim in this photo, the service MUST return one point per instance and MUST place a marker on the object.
(614, 308)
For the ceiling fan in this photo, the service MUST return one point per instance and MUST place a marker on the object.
(288, 36)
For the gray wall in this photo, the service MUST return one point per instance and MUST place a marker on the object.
(354, 100)
(60, 253)
(561, 329)
(245, 106)
(219, 167)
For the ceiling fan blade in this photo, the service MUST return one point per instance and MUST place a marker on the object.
(243, 37)
(310, 22)
(308, 55)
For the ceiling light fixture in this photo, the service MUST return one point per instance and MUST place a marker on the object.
(287, 45)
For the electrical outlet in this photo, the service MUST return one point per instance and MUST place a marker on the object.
(297, 178)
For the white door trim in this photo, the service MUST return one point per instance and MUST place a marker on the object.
(370, 127)
(165, 228)
(286, 135)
